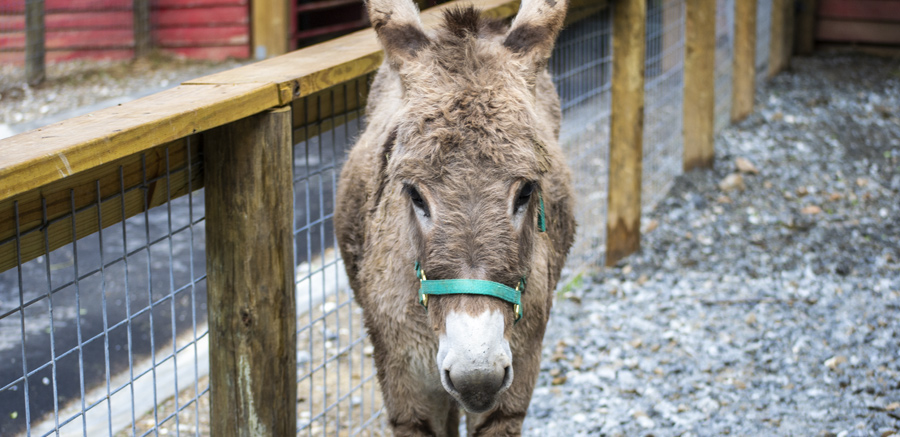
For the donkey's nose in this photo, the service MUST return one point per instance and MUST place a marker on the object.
(477, 387)
(474, 359)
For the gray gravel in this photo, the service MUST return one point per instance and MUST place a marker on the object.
(770, 310)
(78, 87)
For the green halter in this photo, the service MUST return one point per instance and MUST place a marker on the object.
(477, 286)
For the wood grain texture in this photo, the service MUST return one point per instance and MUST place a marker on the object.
(743, 76)
(868, 32)
(626, 130)
(55, 152)
(34, 42)
(699, 84)
(777, 37)
(200, 17)
(141, 27)
(117, 184)
(269, 33)
(250, 276)
(70, 20)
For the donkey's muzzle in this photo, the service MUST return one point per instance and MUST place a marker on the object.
(477, 390)
(474, 360)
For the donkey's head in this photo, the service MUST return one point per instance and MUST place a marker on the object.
(466, 161)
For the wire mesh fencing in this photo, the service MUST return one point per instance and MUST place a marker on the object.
(763, 40)
(581, 66)
(664, 91)
(337, 389)
(724, 62)
(98, 331)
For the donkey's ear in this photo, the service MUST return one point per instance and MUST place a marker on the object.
(535, 27)
(399, 28)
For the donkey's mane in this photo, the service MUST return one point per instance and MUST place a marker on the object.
(463, 21)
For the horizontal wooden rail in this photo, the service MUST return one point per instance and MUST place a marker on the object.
(58, 151)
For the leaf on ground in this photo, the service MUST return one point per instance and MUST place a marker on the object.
(745, 166)
(811, 210)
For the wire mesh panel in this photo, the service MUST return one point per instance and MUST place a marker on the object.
(338, 393)
(763, 37)
(724, 61)
(98, 331)
(581, 66)
(664, 89)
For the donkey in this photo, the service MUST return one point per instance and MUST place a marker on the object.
(454, 214)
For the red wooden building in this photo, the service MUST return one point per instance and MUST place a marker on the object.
(858, 22)
(202, 29)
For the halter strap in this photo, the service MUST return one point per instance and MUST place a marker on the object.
(470, 286)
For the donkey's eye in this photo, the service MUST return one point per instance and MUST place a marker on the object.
(417, 200)
(524, 196)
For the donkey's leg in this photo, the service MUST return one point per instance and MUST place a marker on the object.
(416, 403)
(416, 413)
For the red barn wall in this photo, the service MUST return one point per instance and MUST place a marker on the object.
(103, 29)
(858, 21)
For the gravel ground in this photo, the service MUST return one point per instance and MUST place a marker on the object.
(761, 303)
(87, 84)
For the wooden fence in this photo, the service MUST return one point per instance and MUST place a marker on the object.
(242, 124)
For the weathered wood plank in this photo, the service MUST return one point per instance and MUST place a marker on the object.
(70, 20)
(200, 36)
(34, 39)
(18, 57)
(214, 53)
(200, 17)
(80, 192)
(858, 32)
(73, 39)
(743, 76)
(270, 33)
(141, 27)
(699, 74)
(250, 276)
(45, 155)
(626, 130)
(776, 38)
(860, 10)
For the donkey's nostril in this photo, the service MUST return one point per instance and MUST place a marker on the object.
(449, 381)
(507, 377)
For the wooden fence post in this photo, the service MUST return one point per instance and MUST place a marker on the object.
(141, 13)
(778, 37)
(250, 276)
(269, 29)
(805, 35)
(699, 84)
(623, 220)
(34, 42)
(743, 73)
